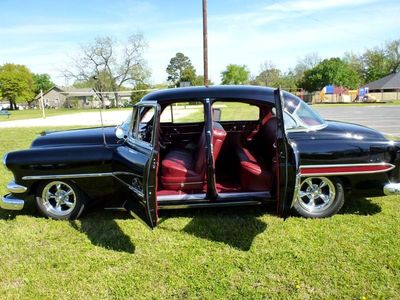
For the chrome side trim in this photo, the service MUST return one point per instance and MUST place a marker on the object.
(346, 165)
(16, 188)
(190, 197)
(390, 167)
(261, 195)
(74, 176)
(391, 189)
(9, 202)
(296, 188)
(5, 159)
(209, 204)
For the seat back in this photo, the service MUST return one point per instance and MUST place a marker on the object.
(218, 138)
(269, 136)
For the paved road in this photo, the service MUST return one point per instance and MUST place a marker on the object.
(383, 118)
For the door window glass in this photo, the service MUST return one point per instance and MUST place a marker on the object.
(143, 124)
(235, 111)
(183, 112)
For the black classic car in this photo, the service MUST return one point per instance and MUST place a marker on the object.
(206, 146)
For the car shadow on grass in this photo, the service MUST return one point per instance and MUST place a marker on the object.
(234, 226)
(102, 230)
(360, 206)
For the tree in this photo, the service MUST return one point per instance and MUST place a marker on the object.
(235, 74)
(42, 82)
(16, 84)
(180, 69)
(308, 62)
(355, 62)
(270, 75)
(393, 55)
(111, 63)
(329, 71)
(140, 90)
(376, 64)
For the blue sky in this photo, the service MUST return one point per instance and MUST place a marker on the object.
(45, 35)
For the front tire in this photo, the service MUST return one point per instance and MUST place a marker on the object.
(319, 197)
(60, 200)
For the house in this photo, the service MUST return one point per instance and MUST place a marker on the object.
(59, 97)
(52, 98)
(386, 88)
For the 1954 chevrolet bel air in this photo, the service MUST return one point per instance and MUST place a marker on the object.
(206, 146)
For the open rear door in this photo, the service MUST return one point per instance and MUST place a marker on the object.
(136, 163)
(287, 161)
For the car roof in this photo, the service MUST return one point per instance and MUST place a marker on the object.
(258, 93)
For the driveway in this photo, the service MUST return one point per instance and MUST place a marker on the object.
(76, 119)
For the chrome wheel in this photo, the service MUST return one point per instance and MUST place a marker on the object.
(59, 198)
(316, 194)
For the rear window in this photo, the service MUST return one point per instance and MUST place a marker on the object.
(183, 112)
(235, 111)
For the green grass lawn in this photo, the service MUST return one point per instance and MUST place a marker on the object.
(206, 254)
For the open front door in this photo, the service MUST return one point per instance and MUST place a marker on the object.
(287, 161)
(136, 163)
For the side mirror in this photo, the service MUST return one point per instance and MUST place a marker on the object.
(119, 133)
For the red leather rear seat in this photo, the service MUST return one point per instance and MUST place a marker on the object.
(185, 170)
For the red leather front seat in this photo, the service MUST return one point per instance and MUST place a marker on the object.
(185, 170)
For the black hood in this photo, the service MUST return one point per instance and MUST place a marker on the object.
(91, 136)
(335, 130)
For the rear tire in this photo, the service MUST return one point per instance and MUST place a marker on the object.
(319, 197)
(60, 200)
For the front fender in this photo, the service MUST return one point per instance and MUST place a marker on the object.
(58, 161)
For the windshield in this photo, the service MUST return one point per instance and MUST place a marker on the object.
(298, 114)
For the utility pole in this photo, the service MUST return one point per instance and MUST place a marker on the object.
(42, 102)
(205, 43)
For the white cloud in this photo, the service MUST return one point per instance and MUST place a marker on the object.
(280, 32)
(314, 5)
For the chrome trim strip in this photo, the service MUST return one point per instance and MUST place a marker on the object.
(182, 184)
(191, 197)
(263, 195)
(391, 189)
(16, 188)
(346, 165)
(9, 202)
(5, 160)
(296, 188)
(390, 167)
(74, 176)
(209, 204)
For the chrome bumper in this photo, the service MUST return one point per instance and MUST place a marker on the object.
(391, 189)
(16, 188)
(9, 202)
